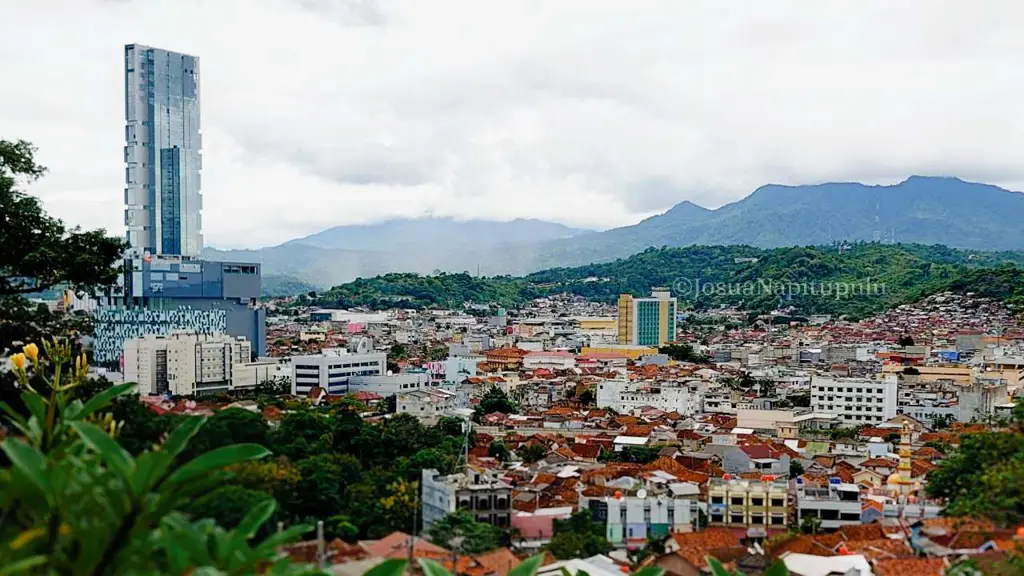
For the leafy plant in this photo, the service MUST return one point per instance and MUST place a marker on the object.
(75, 502)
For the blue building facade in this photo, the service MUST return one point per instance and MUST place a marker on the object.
(162, 195)
(163, 294)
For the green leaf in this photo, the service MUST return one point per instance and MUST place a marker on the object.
(29, 462)
(23, 565)
(35, 404)
(106, 447)
(432, 568)
(392, 567)
(716, 567)
(149, 467)
(528, 567)
(178, 439)
(256, 517)
(650, 571)
(104, 398)
(778, 568)
(217, 459)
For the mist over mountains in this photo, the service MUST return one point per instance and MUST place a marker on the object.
(922, 210)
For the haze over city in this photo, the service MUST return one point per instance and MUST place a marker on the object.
(319, 113)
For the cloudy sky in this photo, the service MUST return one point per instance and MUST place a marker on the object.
(593, 113)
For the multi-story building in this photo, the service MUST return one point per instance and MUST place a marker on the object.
(760, 504)
(631, 520)
(647, 321)
(835, 504)
(625, 396)
(184, 364)
(428, 404)
(855, 401)
(333, 368)
(166, 287)
(478, 491)
(163, 199)
(164, 294)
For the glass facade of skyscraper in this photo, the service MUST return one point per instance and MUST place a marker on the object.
(163, 199)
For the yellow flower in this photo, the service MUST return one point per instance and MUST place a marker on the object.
(32, 351)
(18, 361)
(65, 529)
(26, 537)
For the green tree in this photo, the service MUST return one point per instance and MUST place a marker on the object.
(905, 340)
(795, 468)
(587, 398)
(318, 494)
(981, 478)
(477, 537)
(531, 453)
(498, 450)
(810, 525)
(682, 353)
(495, 400)
(228, 505)
(578, 537)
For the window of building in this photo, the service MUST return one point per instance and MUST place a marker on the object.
(757, 519)
(717, 499)
(736, 518)
(778, 502)
(778, 520)
(736, 501)
(757, 501)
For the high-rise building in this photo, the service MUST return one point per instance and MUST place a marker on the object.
(647, 321)
(162, 196)
(167, 287)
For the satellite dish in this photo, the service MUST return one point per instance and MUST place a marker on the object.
(642, 493)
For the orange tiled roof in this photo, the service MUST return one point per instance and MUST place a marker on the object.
(910, 567)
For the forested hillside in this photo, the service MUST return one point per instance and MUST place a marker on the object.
(856, 280)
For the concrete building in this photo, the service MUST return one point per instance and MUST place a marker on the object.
(855, 401)
(631, 519)
(184, 364)
(428, 404)
(333, 368)
(163, 199)
(749, 503)
(480, 492)
(251, 374)
(626, 397)
(549, 359)
(164, 294)
(835, 504)
(647, 321)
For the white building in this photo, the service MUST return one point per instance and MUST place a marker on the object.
(250, 374)
(551, 360)
(834, 504)
(184, 363)
(626, 397)
(428, 404)
(855, 401)
(332, 369)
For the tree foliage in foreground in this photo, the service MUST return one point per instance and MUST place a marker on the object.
(578, 537)
(982, 478)
(38, 252)
(75, 502)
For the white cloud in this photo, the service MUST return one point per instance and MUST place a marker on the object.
(596, 113)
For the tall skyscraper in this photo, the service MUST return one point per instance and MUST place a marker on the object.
(647, 321)
(162, 197)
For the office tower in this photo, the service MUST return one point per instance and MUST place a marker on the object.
(647, 321)
(162, 152)
(167, 287)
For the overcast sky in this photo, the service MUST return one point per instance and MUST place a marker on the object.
(589, 112)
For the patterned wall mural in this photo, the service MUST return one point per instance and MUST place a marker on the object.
(114, 326)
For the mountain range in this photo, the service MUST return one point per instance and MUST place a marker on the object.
(921, 210)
